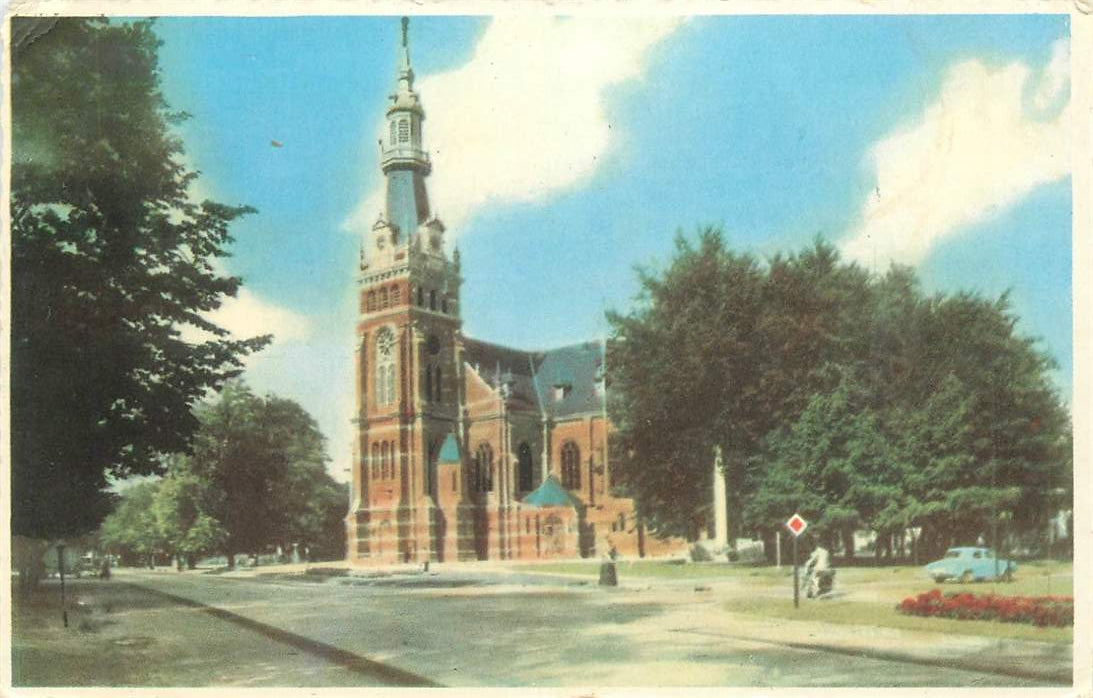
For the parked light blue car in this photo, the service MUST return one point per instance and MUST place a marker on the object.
(971, 564)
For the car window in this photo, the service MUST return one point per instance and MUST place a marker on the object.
(977, 555)
(953, 553)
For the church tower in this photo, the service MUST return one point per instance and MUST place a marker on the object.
(408, 378)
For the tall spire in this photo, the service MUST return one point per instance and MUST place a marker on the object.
(403, 158)
(406, 72)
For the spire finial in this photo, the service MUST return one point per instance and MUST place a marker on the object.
(405, 30)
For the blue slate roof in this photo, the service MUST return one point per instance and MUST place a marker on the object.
(449, 450)
(576, 369)
(559, 382)
(551, 494)
(407, 201)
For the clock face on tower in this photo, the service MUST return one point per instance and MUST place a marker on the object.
(385, 342)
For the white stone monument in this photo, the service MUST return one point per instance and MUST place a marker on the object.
(720, 503)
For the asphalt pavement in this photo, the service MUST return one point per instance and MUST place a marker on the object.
(462, 627)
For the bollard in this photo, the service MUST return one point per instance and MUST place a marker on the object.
(609, 576)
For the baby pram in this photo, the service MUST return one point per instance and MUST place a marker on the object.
(818, 582)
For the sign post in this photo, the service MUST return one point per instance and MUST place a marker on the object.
(796, 526)
(61, 571)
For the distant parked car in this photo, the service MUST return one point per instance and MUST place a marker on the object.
(971, 564)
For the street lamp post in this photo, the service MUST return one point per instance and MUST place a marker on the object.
(61, 569)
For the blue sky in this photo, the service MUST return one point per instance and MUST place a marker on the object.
(572, 149)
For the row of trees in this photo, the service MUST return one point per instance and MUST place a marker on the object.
(256, 478)
(853, 398)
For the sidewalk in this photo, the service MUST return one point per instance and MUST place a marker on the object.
(1044, 661)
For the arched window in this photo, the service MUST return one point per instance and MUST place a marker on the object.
(524, 467)
(420, 296)
(385, 458)
(383, 298)
(428, 383)
(404, 131)
(430, 468)
(371, 301)
(432, 300)
(391, 461)
(571, 466)
(396, 296)
(438, 395)
(483, 468)
(394, 135)
(375, 463)
(390, 384)
(384, 383)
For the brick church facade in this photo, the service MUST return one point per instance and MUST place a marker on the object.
(464, 449)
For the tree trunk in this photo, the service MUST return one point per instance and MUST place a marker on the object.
(848, 543)
(231, 560)
(191, 561)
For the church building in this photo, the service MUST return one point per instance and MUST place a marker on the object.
(465, 449)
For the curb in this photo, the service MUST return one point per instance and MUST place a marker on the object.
(355, 663)
(1053, 675)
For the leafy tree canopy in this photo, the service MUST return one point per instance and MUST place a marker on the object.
(110, 260)
(850, 397)
(256, 478)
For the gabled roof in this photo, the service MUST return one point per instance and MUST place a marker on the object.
(577, 369)
(551, 494)
(559, 382)
(449, 450)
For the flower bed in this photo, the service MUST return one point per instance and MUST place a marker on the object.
(1041, 611)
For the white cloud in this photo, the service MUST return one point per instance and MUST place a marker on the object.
(247, 315)
(525, 116)
(981, 147)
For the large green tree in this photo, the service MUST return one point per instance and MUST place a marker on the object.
(180, 510)
(262, 460)
(685, 377)
(851, 397)
(110, 259)
(131, 531)
(256, 478)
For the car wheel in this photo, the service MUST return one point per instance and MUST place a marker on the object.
(966, 577)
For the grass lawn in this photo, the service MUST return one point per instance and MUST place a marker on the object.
(659, 569)
(870, 594)
(1036, 578)
(885, 615)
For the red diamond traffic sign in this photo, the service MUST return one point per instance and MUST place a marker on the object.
(796, 525)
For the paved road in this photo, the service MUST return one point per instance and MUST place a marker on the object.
(464, 630)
